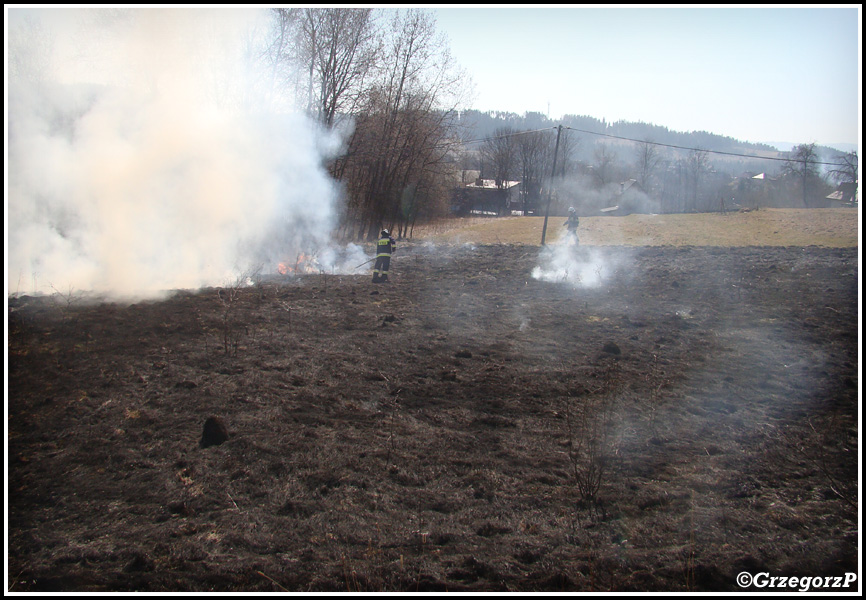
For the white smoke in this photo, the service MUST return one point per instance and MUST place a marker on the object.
(569, 263)
(344, 260)
(148, 152)
(590, 198)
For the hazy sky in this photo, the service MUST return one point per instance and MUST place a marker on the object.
(771, 74)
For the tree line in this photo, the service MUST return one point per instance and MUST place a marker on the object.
(592, 173)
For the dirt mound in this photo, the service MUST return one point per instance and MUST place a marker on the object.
(213, 433)
(690, 415)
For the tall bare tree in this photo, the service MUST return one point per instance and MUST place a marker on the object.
(603, 165)
(534, 154)
(648, 160)
(847, 171)
(346, 51)
(332, 52)
(803, 165)
(499, 154)
(404, 128)
(391, 75)
(697, 165)
(280, 53)
(569, 144)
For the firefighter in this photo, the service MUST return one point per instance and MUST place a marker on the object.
(384, 249)
(572, 222)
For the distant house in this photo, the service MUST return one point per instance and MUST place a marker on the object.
(487, 197)
(845, 195)
(629, 198)
(751, 190)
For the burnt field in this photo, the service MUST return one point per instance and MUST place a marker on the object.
(691, 415)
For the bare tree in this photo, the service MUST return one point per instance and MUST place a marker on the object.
(847, 171)
(803, 164)
(697, 165)
(279, 54)
(673, 185)
(603, 167)
(333, 52)
(499, 154)
(648, 160)
(403, 132)
(391, 74)
(346, 52)
(568, 148)
(534, 155)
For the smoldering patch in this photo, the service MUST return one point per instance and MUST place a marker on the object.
(571, 264)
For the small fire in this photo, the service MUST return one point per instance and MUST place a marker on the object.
(303, 264)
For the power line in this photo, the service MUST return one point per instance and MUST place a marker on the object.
(445, 145)
(695, 149)
(674, 146)
(458, 142)
(507, 135)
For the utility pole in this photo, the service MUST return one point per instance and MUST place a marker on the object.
(547, 210)
(805, 175)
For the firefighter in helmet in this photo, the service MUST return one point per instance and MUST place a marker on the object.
(572, 222)
(384, 249)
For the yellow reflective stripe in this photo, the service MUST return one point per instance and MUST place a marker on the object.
(386, 242)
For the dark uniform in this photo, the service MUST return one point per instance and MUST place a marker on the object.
(572, 222)
(384, 248)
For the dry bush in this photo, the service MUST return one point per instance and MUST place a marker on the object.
(591, 437)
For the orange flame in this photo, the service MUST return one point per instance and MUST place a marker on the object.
(303, 264)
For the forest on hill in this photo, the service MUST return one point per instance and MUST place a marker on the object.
(478, 125)
(484, 123)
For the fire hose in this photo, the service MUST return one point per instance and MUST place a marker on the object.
(364, 263)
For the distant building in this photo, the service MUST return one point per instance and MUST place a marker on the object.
(751, 190)
(629, 198)
(487, 197)
(845, 195)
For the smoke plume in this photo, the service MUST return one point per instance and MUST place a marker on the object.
(147, 151)
(571, 264)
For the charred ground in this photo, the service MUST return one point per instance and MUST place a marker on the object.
(465, 427)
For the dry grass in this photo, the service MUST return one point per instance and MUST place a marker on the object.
(439, 433)
(826, 227)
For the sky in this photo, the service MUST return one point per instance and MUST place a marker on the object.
(770, 74)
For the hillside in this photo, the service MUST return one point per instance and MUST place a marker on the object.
(482, 124)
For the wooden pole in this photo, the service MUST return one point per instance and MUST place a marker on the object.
(552, 173)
